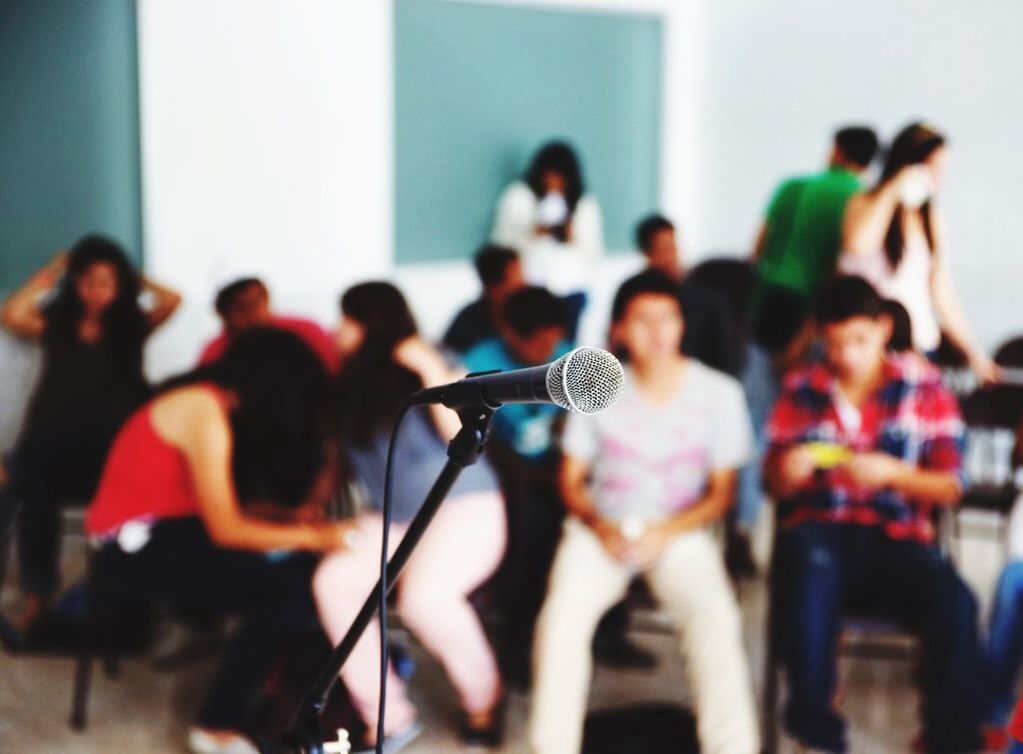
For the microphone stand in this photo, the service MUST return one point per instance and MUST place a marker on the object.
(304, 734)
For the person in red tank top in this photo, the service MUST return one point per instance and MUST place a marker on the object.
(174, 516)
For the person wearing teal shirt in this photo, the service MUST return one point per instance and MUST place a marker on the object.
(523, 448)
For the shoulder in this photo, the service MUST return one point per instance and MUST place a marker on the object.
(179, 412)
(723, 386)
(916, 371)
(517, 196)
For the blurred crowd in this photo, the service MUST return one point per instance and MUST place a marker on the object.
(808, 374)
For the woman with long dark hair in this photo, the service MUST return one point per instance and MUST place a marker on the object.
(383, 360)
(175, 519)
(83, 308)
(554, 223)
(894, 236)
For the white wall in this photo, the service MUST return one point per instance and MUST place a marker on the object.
(267, 138)
(267, 148)
(778, 77)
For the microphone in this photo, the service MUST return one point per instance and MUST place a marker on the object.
(586, 380)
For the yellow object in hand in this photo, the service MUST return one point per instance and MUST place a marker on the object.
(828, 455)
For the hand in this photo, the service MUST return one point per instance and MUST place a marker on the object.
(796, 466)
(50, 274)
(338, 535)
(648, 549)
(611, 537)
(987, 371)
(874, 470)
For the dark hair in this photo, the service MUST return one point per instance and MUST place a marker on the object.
(557, 157)
(648, 228)
(533, 308)
(858, 144)
(902, 326)
(651, 282)
(847, 296)
(372, 385)
(124, 327)
(226, 295)
(492, 263)
(278, 426)
(913, 145)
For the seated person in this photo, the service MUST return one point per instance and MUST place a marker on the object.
(1005, 634)
(245, 304)
(174, 517)
(523, 448)
(383, 360)
(711, 333)
(500, 272)
(642, 482)
(861, 448)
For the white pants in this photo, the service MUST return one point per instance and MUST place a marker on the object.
(690, 582)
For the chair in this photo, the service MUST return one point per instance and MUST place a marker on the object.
(861, 636)
(993, 415)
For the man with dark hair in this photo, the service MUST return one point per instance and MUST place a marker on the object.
(711, 332)
(524, 450)
(500, 273)
(795, 252)
(244, 304)
(643, 483)
(862, 448)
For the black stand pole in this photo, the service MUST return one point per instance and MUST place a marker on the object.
(304, 735)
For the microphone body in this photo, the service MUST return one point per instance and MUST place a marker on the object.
(586, 380)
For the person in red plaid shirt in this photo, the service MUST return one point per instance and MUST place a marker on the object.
(862, 448)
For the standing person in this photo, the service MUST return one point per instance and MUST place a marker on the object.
(500, 273)
(524, 449)
(894, 236)
(862, 448)
(384, 360)
(711, 333)
(795, 252)
(244, 304)
(172, 520)
(642, 482)
(83, 308)
(551, 219)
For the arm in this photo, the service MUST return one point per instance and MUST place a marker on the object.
(929, 487)
(950, 310)
(204, 437)
(867, 217)
(577, 499)
(166, 302)
(758, 243)
(21, 314)
(415, 354)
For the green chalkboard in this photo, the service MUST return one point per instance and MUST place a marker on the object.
(479, 87)
(69, 128)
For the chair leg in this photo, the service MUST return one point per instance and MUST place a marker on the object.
(86, 653)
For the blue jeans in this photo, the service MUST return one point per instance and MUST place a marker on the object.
(1005, 645)
(761, 385)
(1016, 748)
(824, 570)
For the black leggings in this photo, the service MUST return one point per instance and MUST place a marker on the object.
(181, 567)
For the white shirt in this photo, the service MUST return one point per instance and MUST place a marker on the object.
(562, 267)
(909, 284)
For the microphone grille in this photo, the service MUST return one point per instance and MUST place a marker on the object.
(587, 380)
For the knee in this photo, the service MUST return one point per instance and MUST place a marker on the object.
(1010, 584)
(956, 604)
(421, 605)
(332, 577)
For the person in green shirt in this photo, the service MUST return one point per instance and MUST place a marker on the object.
(795, 252)
(799, 242)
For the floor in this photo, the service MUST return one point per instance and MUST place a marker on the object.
(148, 711)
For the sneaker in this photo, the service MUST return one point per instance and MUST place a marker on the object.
(203, 742)
(394, 742)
